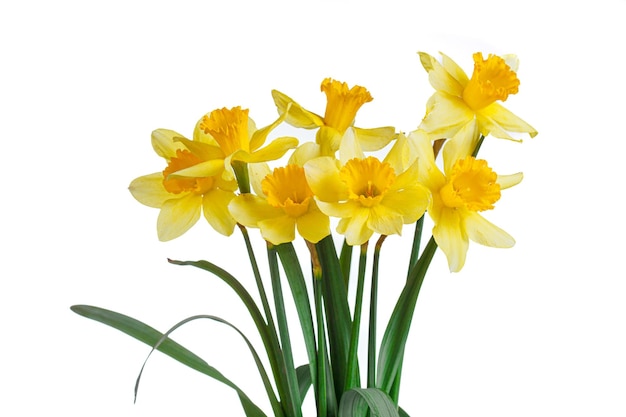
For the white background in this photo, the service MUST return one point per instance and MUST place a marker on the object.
(537, 330)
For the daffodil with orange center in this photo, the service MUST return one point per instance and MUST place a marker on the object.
(465, 188)
(368, 195)
(342, 105)
(460, 100)
(231, 136)
(183, 198)
(284, 203)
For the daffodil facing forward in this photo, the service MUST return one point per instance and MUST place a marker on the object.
(368, 195)
(182, 198)
(460, 100)
(342, 105)
(231, 136)
(285, 203)
(467, 187)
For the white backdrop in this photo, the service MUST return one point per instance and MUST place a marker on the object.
(536, 330)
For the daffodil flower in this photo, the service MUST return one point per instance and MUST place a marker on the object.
(465, 188)
(226, 136)
(182, 199)
(459, 100)
(366, 194)
(342, 104)
(284, 203)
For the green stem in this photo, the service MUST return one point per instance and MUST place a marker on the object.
(242, 176)
(289, 371)
(417, 239)
(371, 349)
(322, 399)
(345, 260)
(478, 145)
(352, 378)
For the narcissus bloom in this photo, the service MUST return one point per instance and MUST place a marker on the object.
(285, 203)
(366, 194)
(342, 104)
(228, 135)
(467, 187)
(182, 199)
(460, 100)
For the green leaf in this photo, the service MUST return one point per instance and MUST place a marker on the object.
(357, 401)
(151, 337)
(303, 373)
(396, 333)
(337, 311)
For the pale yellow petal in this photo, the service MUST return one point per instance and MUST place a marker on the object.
(480, 230)
(278, 230)
(350, 147)
(384, 220)
(257, 173)
(355, 228)
(445, 115)
(297, 115)
(304, 153)
(202, 150)
(374, 139)
(339, 210)
(322, 175)
(410, 203)
(249, 209)
(149, 190)
(200, 136)
(439, 78)
(461, 145)
(178, 215)
(215, 210)
(496, 120)
(200, 170)
(451, 238)
(313, 225)
(329, 139)
(454, 70)
(273, 151)
(164, 143)
(508, 181)
(258, 138)
(400, 156)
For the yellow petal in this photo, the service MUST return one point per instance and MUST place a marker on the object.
(329, 139)
(249, 210)
(384, 220)
(296, 116)
(451, 238)
(149, 190)
(203, 169)
(340, 210)
(215, 209)
(461, 145)
(257, 173)
(508, 181)
(258, 137)
(164, 143)
(202, 150)
(350, 147)
(445, 115)
(439, 78)
(278, 229)
(410, 203)
(178, 215)
(275, 150)
(454, 70)
(355, 228)
(304, 153)
(497, 121)
(322, 175)
(486, 233)
(314, 225)
(374, 139)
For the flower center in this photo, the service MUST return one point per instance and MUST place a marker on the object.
(471, 184)
(185, 159)
(367, 179)
(286, 188)
(229, 128)
(492, 80)
(342, 103)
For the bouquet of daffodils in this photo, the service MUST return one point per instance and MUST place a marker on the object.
(225, 173)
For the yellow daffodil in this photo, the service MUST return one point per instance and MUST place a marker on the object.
(366, 194)
(467, 187)
(182, 199)
(342, 104)
(285, 203)
(460, 100)
(230, 135)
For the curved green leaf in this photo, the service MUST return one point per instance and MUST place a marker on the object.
(266, 382)
(357, 401)
(151, 337)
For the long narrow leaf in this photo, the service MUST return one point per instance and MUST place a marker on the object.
(337, 311)
(396, 333)
(357, 401)
(266, 382)
(151, 337)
